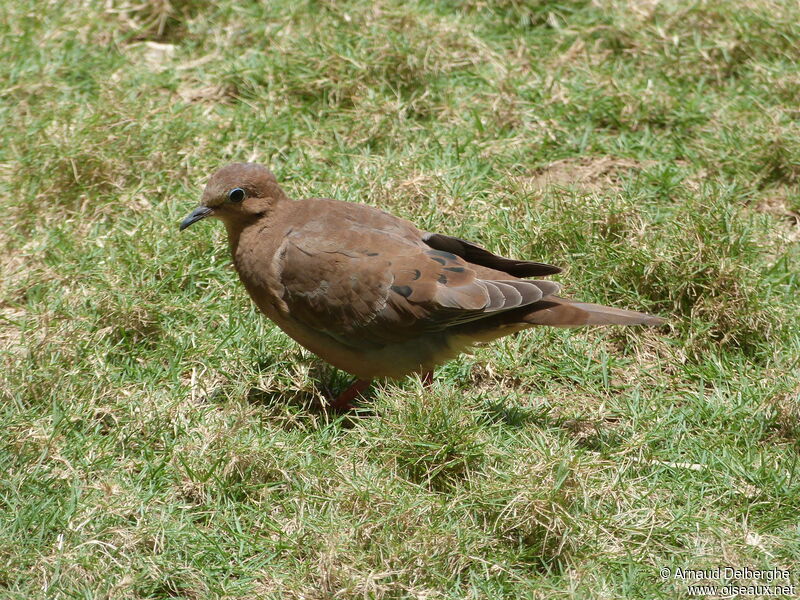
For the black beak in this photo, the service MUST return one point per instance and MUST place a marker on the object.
(201, 212)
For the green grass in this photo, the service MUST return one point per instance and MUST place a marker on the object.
(161, 439)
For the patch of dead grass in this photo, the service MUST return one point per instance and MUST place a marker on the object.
(787, 414)
(776, 202)
(586, 174)
(156, 20)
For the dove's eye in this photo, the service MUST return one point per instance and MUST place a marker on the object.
(236, 195)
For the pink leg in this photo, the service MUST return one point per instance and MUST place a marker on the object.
(345, 400)
(427, 378)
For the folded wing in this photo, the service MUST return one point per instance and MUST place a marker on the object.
(387, 288)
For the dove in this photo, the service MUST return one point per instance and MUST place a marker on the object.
(372, 294)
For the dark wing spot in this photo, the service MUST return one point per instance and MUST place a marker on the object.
(442, 253)
(403, 290)
(417, 274)
(455, 269)
(372, 254)
(442, 279)
(441, 261)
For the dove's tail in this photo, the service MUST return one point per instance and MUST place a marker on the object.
(562, 312)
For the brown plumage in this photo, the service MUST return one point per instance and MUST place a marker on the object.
(369, 292)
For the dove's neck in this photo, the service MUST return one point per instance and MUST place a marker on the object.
(253, 225)
(255, 249)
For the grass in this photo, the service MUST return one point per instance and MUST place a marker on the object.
(161, 439)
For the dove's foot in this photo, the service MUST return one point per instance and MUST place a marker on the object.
(344, 401)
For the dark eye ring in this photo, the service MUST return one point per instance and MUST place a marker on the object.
(236, 195)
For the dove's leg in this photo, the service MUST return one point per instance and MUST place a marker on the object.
(346, 398)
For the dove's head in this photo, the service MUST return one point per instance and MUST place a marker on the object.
(237, 194)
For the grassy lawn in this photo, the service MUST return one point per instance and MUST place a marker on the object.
(160, 439)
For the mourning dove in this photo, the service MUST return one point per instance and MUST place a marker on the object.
(369, 292)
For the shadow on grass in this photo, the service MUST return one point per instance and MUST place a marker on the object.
(326, 383)
(501, 411)
(590, 434)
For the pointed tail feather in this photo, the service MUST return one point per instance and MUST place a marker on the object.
(561, 312)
